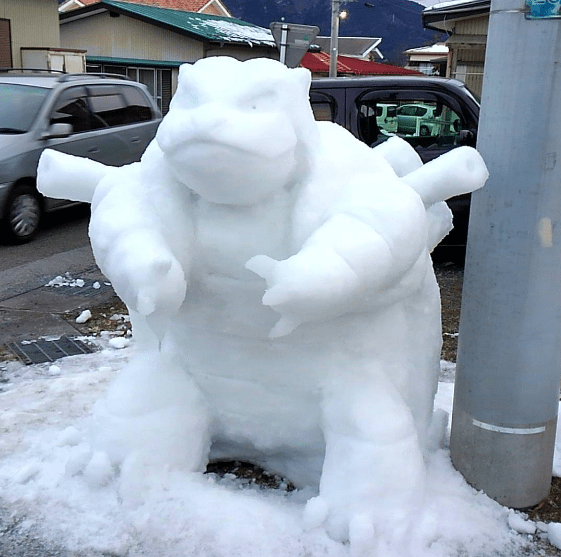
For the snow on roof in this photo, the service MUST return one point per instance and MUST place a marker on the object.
(438, 48)
(205, 26)
(236, 31)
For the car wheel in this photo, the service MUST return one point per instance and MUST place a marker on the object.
(23, 214)
(424, 131)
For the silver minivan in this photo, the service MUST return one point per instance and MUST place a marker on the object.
(106, 118)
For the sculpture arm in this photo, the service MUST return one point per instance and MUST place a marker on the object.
(63, 176)
(351, 262)
(144, 256)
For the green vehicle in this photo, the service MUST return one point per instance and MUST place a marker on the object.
(425, 120)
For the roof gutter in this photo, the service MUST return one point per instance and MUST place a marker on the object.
(437, 17)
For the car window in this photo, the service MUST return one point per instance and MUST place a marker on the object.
(324, 107)
(424, 123)
(138, 105)
(71, 107)
(108, 105)
(19, 105)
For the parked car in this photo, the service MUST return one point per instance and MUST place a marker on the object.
(110, 119)
(423, 120)
(415, 119)
(445, 106)
(386, 117)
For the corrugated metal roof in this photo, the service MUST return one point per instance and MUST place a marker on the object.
(318, 62)
(207, 27)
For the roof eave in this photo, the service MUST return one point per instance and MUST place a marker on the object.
(437, 19)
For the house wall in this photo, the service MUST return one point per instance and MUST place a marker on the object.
(33, 23)
(125, 37)
(242, 52)
(467, 51)
(473, 26)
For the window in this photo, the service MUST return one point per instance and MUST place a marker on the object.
(426, 122)
(138, 107)
(322, 112)
(164, 90)
(71, 107)
(147, 76)
(118, 70)
(323, 107)
(101, 106)
(107, 105)
(19, 105)
(158, 81)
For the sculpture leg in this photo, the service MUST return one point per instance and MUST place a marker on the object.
(374, 472)
(154, 412)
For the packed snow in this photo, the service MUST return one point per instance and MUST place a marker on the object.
(285, 312)
(50, 478)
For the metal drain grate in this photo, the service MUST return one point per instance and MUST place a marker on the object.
(42, 351)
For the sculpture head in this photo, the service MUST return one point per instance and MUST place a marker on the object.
(238, 132)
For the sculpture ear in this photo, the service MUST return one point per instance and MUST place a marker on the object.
(303, 78)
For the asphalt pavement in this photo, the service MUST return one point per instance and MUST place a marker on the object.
(35, 303)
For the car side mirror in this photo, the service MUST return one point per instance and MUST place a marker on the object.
(59, 130)
(466, 136)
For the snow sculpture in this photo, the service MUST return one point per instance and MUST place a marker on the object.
(282, 296)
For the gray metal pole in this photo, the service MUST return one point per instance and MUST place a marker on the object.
(284, 34)
(509, 355)
(334, 42)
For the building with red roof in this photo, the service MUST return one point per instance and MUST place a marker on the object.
(318, 64)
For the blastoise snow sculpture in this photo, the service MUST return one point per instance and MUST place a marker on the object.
(282, 296)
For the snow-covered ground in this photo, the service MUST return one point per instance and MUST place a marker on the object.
(45, 419)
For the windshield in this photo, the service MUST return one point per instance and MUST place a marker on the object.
(19, 104)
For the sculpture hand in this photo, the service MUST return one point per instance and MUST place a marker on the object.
(313, 285)
(147, 276)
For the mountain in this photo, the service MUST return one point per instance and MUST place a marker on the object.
(398, 22)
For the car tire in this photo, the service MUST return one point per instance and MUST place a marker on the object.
(424, 131)
(23, 214)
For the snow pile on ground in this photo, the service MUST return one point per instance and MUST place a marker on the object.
(46, 420)
(67, 280)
